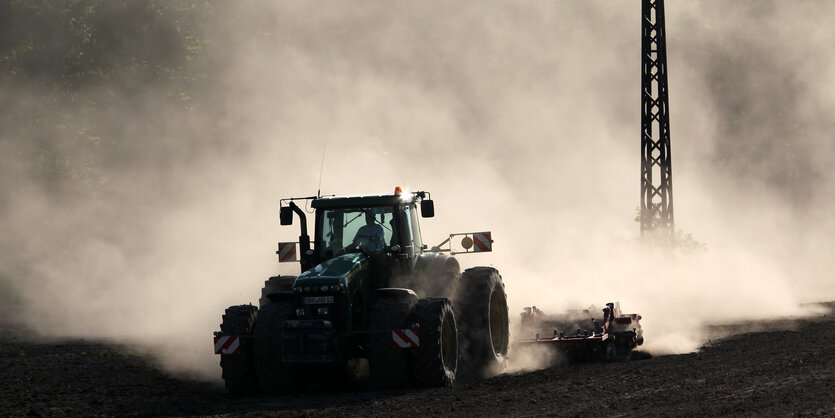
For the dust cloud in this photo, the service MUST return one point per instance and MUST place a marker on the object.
(519, 118)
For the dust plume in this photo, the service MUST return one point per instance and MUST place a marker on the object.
(140, 200)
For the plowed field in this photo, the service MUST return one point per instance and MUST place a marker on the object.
(788, 368)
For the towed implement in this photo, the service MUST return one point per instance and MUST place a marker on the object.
(370, 291)
(611, 338)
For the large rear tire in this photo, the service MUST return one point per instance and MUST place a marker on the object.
(273, 375)
(436, 276)
(481, 311)
(273, 285)
(434, 362)
(389, 366)
(239, 369)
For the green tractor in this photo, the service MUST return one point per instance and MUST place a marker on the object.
(369, 289)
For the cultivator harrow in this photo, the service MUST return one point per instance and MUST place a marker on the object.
(611, 338)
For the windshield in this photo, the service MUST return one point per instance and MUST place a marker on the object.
(367, 230)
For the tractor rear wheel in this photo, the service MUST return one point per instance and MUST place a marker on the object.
(273, 375)
(434, 362)
(389, 366)
(239, 369)
(275, 284)
(481, 311)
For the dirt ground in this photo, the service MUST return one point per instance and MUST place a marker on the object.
(788, 370)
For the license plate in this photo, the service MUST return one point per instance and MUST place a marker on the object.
(317, 300)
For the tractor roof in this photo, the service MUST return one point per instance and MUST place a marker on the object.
(360, 201)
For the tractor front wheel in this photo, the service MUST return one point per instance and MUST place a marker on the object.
(434, 361)
(389, 365)
(273, 375)
(239, 369)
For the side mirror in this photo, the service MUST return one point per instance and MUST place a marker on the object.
(285, 215)
(427, 208)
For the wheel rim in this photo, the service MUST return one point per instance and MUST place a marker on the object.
(498, 322)
(447, 345)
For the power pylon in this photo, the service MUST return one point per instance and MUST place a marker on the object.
(656, 168)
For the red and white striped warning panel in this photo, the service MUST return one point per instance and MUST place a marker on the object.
(405, 338)
(228, 344)
(482, 242)
(286, 252)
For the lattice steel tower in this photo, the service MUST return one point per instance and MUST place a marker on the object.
(656, 169)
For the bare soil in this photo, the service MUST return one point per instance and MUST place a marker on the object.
(785, 368)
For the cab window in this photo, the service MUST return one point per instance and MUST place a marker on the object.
(355, 229)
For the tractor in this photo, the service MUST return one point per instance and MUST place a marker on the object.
(370, 291)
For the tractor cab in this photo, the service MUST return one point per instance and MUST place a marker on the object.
(381, 225)
(372, 225)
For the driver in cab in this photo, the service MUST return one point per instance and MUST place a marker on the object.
(370, 236)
